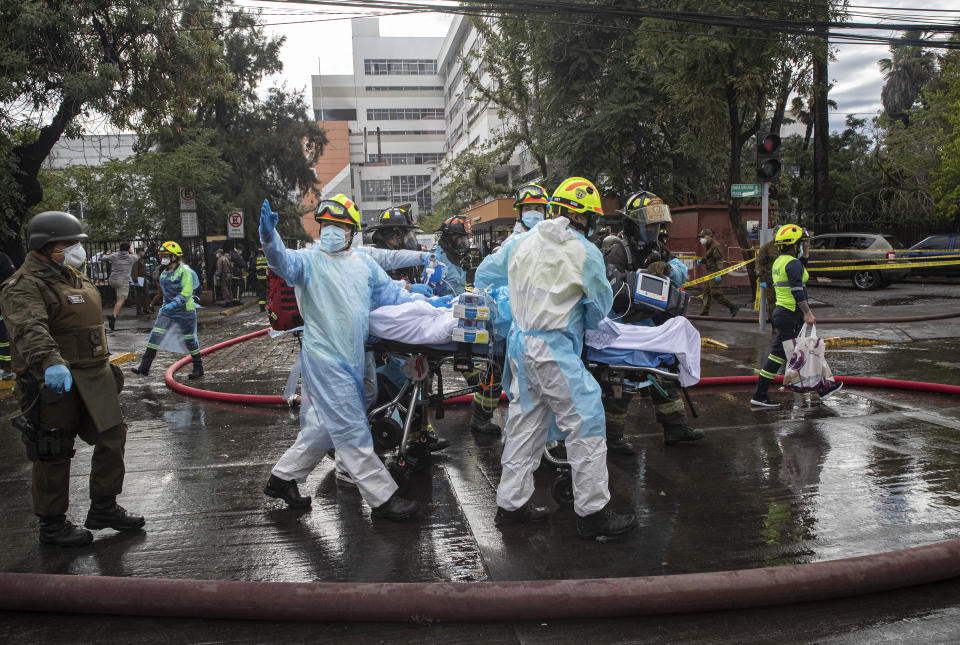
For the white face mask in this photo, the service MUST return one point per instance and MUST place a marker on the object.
(74, 255)
(703, 241)
(165, 261)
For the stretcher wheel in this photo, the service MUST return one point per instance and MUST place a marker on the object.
(386, 433)
(562, 489)
(418, 456)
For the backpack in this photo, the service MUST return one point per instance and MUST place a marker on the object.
(282, 309)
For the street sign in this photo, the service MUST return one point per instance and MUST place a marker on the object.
(744, 190)
(235, 224)
(188, 224)
(187, 200)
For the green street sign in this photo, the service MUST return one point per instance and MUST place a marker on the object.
(745, 190)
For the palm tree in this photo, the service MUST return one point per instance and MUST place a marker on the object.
(905, 74)
(802, 111)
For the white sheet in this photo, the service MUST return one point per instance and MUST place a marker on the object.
(418, 323)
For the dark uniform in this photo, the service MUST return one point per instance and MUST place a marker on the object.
(622, 257)
(141, 294)
(766, 255)
(6, 270)
(55, 318)
(713, 260)
(260, 271)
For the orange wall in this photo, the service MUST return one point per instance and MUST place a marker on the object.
(335, 157)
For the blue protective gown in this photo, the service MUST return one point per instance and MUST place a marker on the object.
(176, 330)
(455, 278)
(335, 293)
(558, 288)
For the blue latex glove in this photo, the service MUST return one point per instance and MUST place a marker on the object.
(717, 279)
(268, 220)
(58, 377)
(763, 284)
(422, 289)
(700, 261)
(170, 306)
(441, 302)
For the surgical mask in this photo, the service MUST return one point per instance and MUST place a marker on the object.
(165, 261)
(333, 239)
(531, 218)
(703, 241)
(74, 255)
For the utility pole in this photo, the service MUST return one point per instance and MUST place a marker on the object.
(821, 119)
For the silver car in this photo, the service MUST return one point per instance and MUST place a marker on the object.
(853, 249)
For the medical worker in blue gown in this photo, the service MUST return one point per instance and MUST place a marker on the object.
(336, 288)
(558, 288)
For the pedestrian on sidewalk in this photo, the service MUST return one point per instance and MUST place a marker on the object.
(224, 273)
(66, 386)
(175, 329)
(121, 264)
(138, 281)
(713, 260)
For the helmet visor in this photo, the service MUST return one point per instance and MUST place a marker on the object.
(531, 195)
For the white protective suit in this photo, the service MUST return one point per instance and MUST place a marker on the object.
(335, 293)
(558, 288)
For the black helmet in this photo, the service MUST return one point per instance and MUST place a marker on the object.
(452, 230)
(53, 226)
(394, 217)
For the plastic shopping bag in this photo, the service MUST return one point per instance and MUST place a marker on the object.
(806, 369)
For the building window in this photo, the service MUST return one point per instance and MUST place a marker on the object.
(404, 114)
(399, 66)
(408, 158)
(404, 88)
(373, 133)
(335, 115)
(375, 189)
(407, 185)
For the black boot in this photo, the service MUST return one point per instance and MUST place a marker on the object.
(397, 508)
(676, 432)
(482, 422)
(59, 531)
(112, 321)
(287, 491)
(145, 362)
(197, 367)
(605, 523)
(618, 445)
(107, 513)
(435, 442)
(263, 307)
(523, 515)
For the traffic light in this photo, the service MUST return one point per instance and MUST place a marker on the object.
(768, 156)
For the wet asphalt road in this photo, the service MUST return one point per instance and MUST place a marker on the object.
(868, 471)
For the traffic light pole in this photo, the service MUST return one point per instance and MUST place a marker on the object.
(764, 237)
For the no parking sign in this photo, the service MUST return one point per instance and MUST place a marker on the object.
(235, 224)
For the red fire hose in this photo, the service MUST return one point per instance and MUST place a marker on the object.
(902, 319)
(493, 601)
(715, 381)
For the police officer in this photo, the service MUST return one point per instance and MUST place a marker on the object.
(642, 248)
(790, 284)
(260, 272)
(66, 386)
(713, 259)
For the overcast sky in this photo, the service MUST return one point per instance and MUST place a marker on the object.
(324, 45)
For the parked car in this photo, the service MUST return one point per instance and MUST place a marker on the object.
(865, 248)
(935, 245)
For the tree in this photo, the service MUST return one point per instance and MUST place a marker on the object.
(469, 178)
(905, 73)
(133, 63)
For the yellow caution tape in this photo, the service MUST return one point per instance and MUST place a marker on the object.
(713, 275)
(891, 265)
(954, 256)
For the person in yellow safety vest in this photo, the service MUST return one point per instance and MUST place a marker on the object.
(792, 311)
(260, 271)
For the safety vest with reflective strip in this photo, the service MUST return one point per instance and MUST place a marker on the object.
(261, 266)
(781, 284)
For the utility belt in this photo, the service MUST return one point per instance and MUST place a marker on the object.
(42, 442)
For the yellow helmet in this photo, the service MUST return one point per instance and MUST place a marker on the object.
(577, 194)
(530, 194)
(338, 208)
(787, 235)
(171, 247)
